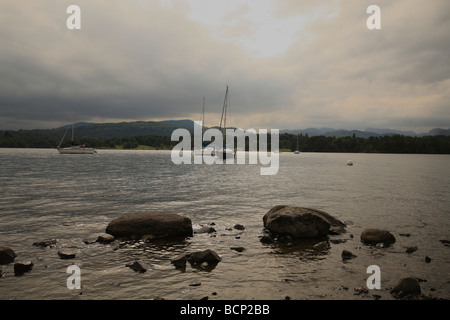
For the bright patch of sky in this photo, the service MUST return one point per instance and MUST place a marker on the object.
(251, 24)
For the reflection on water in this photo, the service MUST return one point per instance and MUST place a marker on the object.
(71, 198)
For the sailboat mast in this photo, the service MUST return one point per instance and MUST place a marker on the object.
(73, 124)
(203, 115)
(224, 111)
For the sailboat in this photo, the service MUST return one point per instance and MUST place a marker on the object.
(224, 151)
(297, 151)
(74, 149)
(202, 121)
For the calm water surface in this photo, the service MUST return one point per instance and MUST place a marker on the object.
(72, 198)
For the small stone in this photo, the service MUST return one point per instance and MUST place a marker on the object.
(179, 261)
(195, 284)
(239, 227)
(346, 255)
(105, 238)
(321, 246)
(238, 249)
(360, 290)
(411, 249)
(66, 254)
(205, 230)
(136, 266)
(427, 259)
(46, 243)
(21, 267)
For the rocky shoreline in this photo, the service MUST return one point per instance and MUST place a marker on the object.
(282, 225)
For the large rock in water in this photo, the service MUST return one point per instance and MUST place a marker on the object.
(299, 222)
(7, 255)
(167, 225)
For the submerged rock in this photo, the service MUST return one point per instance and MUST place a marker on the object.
(7, 255)
(46, 243)
(376, 236)
(199, 257)
(158, 224)
(204, 259)
(346, 255)
(411, 249)
(299, 222)
(206, 229)
(137, 266)
(64, 254)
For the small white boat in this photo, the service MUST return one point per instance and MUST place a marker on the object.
(80, 149)
(297, 151)
(224, 152)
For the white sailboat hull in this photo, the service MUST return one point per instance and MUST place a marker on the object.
(76, 150)
(225, 154)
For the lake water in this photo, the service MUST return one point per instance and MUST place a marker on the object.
(72, 198)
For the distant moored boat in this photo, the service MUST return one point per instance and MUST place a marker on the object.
(80, 149)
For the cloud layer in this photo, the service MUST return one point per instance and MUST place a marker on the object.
(290, 64)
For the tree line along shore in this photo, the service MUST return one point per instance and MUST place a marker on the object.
(287, 143)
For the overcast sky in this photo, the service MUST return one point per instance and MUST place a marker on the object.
(289, 64)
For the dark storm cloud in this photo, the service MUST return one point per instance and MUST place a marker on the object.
(138, 60)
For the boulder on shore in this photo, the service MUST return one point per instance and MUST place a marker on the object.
(375, 236)
(299, 222)
(168, 225)
(7, 255)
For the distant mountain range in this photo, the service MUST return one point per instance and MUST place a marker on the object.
(165, 128)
